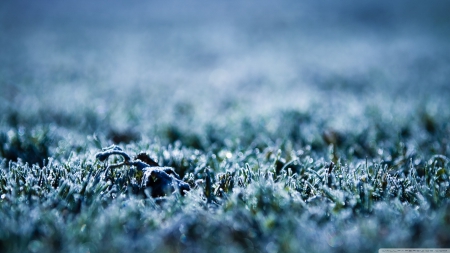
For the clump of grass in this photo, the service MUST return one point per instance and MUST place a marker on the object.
(286, 183)
(30, 145)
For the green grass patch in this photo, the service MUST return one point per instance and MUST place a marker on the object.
(285, 183)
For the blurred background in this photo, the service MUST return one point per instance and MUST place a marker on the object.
(138, 65)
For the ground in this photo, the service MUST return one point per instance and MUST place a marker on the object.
(300, 127)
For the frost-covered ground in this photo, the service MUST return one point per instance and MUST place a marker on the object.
(270, 92)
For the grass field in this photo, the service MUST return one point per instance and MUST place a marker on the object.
(300, 127)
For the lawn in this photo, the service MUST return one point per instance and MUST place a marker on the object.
(293, 127)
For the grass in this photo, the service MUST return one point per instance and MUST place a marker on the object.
(300, 127)
(284, 183)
